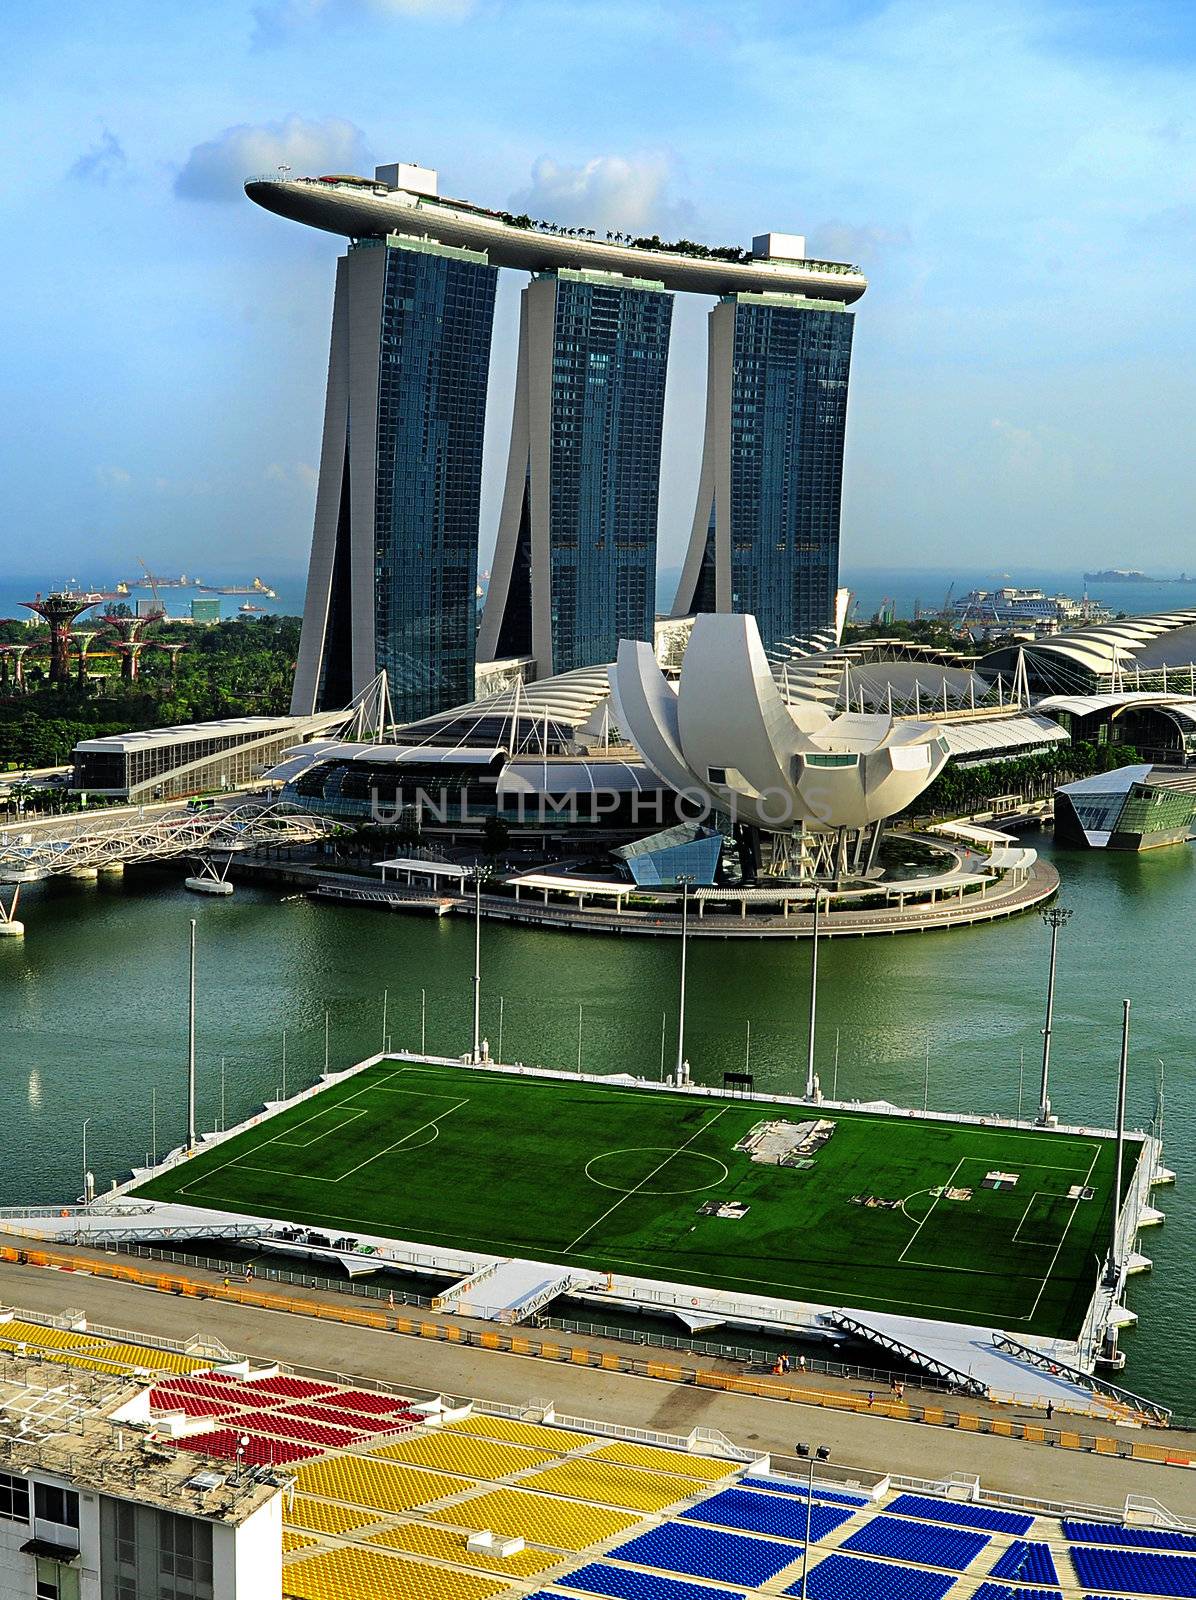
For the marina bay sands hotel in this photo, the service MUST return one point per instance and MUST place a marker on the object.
(392, 581)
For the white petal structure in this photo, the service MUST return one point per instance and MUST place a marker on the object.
(726, 736)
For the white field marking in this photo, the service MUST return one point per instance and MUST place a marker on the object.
(1077, 1203)
(938, 1266)
(233, 1161)
(432, 1122)
(637, 1149)
(627, 1196)
(1033, 1244)
(306, 1144)
(950, 1184)
(308, 1177)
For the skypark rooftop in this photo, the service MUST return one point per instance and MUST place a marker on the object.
(362, 208)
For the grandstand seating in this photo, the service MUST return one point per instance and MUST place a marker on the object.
(624, 1584)
(1128, 1538)
(362, 1481)
(1032, 1562)
(839, 1577)
(225, 1443)
(319, 1516)
(1002, 1591)
(193, 1404)
(904, 1540)
(369, 1402)
(285, 1387)
(762, 1513)
(338, 1417)
(445, 1544)
(541, 1435)
(350, 1573)
(708, 1553)
(539, 1518)
(1111, 1571)
(281, 1426)
(657, 1459)
(472, 1457)
(589, 1477)
(835, 1497)
(962, 1513)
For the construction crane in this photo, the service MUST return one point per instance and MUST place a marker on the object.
(153, 583)
(946, 611)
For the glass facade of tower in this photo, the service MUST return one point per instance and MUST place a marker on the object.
(788, 414)
(434, 358)
(609, 361)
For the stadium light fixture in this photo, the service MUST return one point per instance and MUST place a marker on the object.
(819, 1453)
(1055, 917)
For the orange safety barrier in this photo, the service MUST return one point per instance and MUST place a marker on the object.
(579, 1355)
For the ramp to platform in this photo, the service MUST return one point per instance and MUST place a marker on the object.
(970, 1360)
(512, 1290)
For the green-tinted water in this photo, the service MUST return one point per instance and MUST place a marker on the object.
(92, 1017)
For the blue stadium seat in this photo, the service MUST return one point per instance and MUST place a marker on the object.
(780, 1515)
(834, 1497)
(706, 1553)
(1134, 1571)
(955, 1548)
(838, 1577)
(1128, 1538)
(1002, 1591)
(962, 1513)
(1028, 1560)
(598, 1578)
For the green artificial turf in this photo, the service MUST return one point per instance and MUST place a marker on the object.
(611, 1178)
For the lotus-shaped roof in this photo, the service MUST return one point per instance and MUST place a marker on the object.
(727, 736)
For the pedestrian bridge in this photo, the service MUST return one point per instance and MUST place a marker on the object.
(84, 846)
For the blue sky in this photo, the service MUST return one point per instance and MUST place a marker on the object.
(1018, 181)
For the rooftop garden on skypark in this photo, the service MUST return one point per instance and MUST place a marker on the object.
(676, 247)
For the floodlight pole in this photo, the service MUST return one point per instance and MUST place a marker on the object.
(684, 879)
(191, 1042)
(1055, 918)
(1113, 1269)
(477, 970)
(812, 1090)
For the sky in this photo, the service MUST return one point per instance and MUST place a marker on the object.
(1017, 181)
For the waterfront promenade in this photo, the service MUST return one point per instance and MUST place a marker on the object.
(758, 914)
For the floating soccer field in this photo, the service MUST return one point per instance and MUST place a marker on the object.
(997, 1227)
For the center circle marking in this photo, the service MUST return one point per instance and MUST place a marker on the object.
(654, 1156)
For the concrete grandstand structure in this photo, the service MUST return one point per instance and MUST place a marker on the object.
(316, 1486)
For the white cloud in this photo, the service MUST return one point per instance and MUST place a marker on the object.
(217, 169)
(297, 475)
(113, 477)
(104, 160)
(628, 193)
(276, 20)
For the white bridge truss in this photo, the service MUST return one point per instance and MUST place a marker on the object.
(70, 845)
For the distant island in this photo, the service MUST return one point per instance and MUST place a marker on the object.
(1129, 575)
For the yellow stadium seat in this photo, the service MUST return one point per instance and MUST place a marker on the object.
(657, 1459)
(354, 1574)
(471, 1456)
(362, 1481)
(541, 1435)
(590, 1478)
(445, 1544)
(320, 1517)
(540, 1518)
